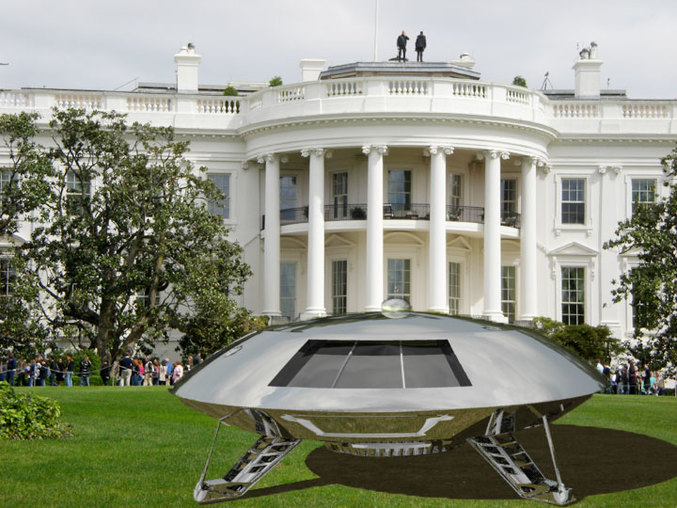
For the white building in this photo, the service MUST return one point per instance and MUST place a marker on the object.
(418, 180)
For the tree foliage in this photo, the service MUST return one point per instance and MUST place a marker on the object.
(230, 91)
(123, 246)
(591, 343)
(651, 235)
(275, 81)
(519, 81)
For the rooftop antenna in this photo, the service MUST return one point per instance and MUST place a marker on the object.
(546, 82)
(376, 33)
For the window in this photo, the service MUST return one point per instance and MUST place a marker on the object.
(373, 364)
(287, 197)
(77, 192)
(573, 295)
(339, 286)
(573, 201)
(5, 181)
(288, 289)
(508, 196)
(454, 287)
(7, 277)
(455, 190)
(643, 192)
(508, 292)
(221, 207)
(340, 194)
(399, 190)
(399, 278)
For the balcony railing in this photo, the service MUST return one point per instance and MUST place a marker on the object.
(393, 211)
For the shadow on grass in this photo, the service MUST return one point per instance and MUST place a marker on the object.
(591, 460)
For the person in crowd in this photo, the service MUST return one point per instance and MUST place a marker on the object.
(115, 373)
(162, 378)
(136, 381)
(3, 369)
(646, 380)
(660, 383)
(632, 378)
(126, 367)
(52, 371)
(170, 369)
(420, 46)
(177, 372)
(43, 372)
(197, 360)
(104, 372)
(155, 372)
(60, 371)
(189, 363)
(32, 372)
(70, 365)
(148, 373)
(85, 371)
(11, 369)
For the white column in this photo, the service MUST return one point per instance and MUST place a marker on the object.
(315, 279)
(528, 273)
(374, 269)
(492, 235)
(271, 246)
(437, 269)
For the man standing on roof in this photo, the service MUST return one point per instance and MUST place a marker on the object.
(402, 47)
(420, 46)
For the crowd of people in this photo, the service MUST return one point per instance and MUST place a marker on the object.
(49, 370)
(631, 379)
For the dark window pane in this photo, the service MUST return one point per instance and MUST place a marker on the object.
(373, 365)
(426, 366)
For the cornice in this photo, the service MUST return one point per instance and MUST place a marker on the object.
(542, 130)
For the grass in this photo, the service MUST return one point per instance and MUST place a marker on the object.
(141, 446)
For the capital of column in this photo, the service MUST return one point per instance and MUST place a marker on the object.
(316, 152)
(435, 149)
(380, 149)
(267, 157)
(495, 154)
(603, 168)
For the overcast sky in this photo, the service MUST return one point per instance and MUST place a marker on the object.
(93, 44)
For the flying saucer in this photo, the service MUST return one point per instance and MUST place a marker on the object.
(374, 386)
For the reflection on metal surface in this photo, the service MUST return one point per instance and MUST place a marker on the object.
(371, 386)
(427, 425)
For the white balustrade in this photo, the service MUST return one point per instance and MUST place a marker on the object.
(645, 110)
(79, 101)
(575, 110)
(291, 94)
(220, 106)
(517, 96)
(408, 87)
(149, 103)
(343, 88)
(469, 89)
(12, 99)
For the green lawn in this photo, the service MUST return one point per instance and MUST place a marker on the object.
(141, 446)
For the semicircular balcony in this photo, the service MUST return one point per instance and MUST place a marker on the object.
(353, 216)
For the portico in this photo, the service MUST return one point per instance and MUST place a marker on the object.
(484, 222)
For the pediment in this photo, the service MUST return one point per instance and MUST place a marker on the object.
(459, 243)
(402, 238)
(573, 249)
(337, 241)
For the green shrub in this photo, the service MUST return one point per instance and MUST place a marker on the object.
(28, 416)
(275, 81)
(519, 81)
(230, 91)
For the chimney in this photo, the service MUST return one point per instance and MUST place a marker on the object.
(311, 69)
(187, 64)
(588, 73)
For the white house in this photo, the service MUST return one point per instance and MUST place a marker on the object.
(418, 180)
